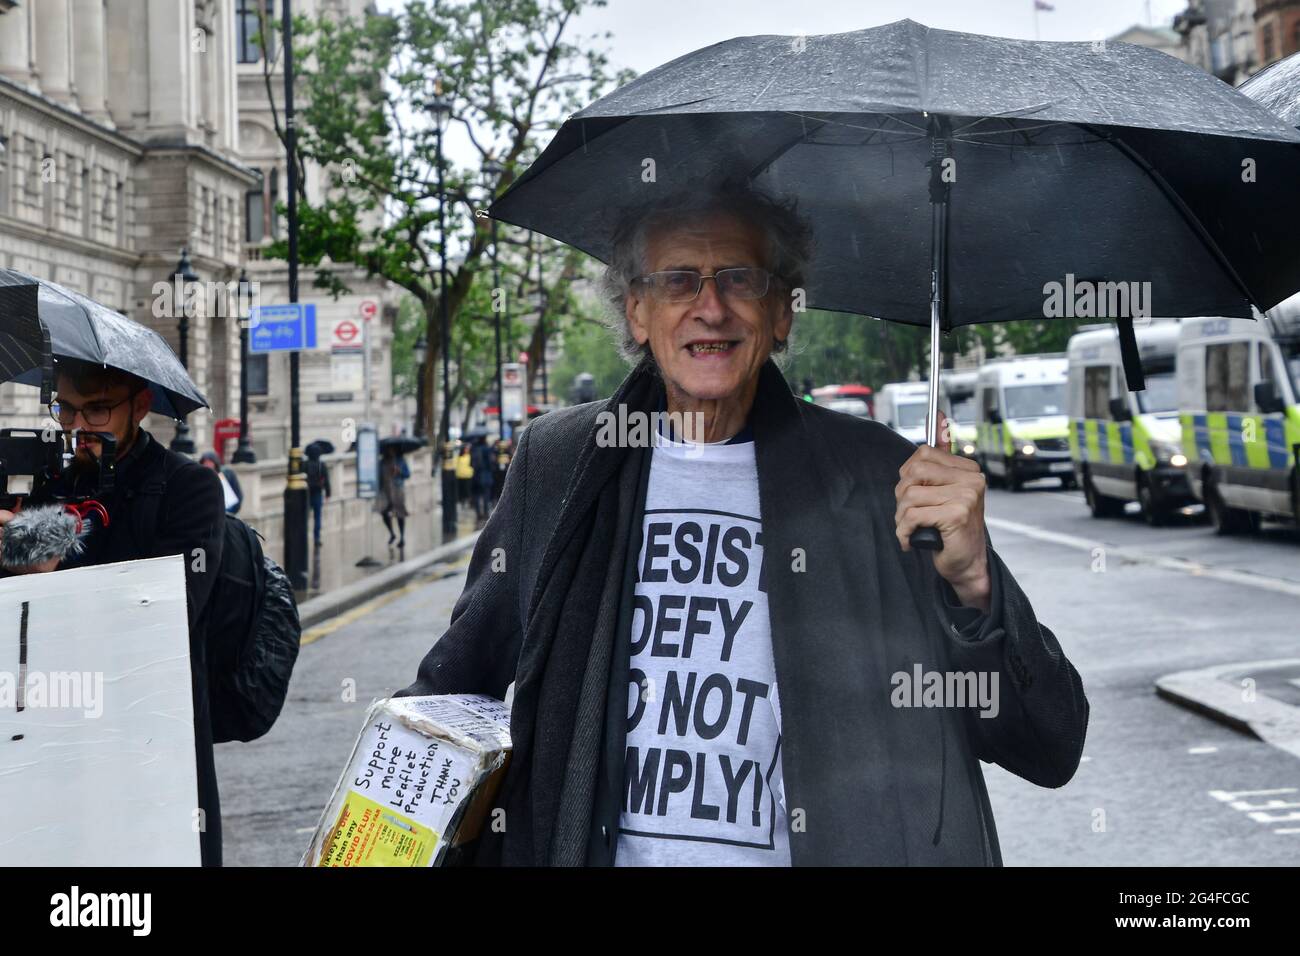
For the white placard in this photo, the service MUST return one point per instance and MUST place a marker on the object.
(97, 768)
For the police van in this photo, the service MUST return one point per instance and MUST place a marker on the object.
(958, 389)
(1022, 431)
(902, 406)
(1126, 446)
(1238, 391)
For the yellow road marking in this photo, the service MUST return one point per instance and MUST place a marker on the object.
(311, 635)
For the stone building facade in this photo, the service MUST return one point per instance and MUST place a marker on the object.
(132, 128)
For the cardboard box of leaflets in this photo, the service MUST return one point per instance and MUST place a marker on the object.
(418, 784)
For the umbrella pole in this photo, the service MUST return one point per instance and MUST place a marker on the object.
(925, 538)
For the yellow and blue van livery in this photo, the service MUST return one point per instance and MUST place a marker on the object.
(1239, 407)
(1126, 446)
(1022, 431)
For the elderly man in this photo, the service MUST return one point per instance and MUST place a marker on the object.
(723, 650)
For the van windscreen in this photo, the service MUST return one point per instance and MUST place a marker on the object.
(1032, 401)
(1160, 395)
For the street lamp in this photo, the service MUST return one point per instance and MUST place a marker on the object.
(493, 171)
(184, 275)
(420, 352)
(441, 110)
(295, 481)
(244, 452)
(542, 302)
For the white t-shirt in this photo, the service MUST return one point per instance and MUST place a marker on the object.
(702, 781)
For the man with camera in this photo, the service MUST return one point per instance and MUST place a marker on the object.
(159, 503)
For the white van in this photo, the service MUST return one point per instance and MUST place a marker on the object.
(958, 399)
(1126, 446)
(1239, 406)
(1022, 430)
(902, 406)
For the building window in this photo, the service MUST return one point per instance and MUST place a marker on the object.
(257, 373)
(248, 49)
(254, 215)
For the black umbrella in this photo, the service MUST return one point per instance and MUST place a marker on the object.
(404, 444)
(319, 447)
(24, 341)
(1278, 88)
(81, 328)
(1038, 163)
(479, 432)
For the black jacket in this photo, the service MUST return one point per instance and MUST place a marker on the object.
(190, 515)
(876, 784)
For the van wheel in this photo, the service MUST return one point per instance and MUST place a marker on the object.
(1101, 506)
(1153, 511)
(1227, 520)
(1014, 481)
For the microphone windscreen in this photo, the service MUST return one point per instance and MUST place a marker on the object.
(35, 535)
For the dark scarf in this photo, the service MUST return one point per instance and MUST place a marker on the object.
(564, 665)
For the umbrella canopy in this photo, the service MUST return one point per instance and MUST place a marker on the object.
(319, 447)
(1278, 88)
(404, 444)
(1110, 163)
(954, 179)
(24, 341)
(81, 328)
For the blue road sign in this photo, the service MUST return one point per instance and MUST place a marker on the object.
(282, 328)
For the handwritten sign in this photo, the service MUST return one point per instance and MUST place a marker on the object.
(97, 718)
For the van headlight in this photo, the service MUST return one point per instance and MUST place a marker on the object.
(1028, 448)
(968, 448)
(1167, 451)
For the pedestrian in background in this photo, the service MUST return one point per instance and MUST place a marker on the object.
(318, 487)
(484, 467)
(234, 495)
(464, 475)
(391, 502)
(500, 465)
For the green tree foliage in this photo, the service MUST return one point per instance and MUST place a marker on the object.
(592, 348)
(511, 72)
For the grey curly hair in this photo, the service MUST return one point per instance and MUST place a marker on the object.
(787, 235)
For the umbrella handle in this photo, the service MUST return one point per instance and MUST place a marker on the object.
(926, 539)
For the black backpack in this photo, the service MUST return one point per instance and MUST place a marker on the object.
(251, 624)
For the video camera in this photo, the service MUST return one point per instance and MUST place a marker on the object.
(43, 456)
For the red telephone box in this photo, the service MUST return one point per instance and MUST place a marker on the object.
(224, 430)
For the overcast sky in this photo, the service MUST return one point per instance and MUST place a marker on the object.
(650, 32)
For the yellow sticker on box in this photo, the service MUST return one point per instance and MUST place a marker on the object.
(368, 834)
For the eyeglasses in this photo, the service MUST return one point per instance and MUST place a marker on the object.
(94, 414)
(683, 285)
